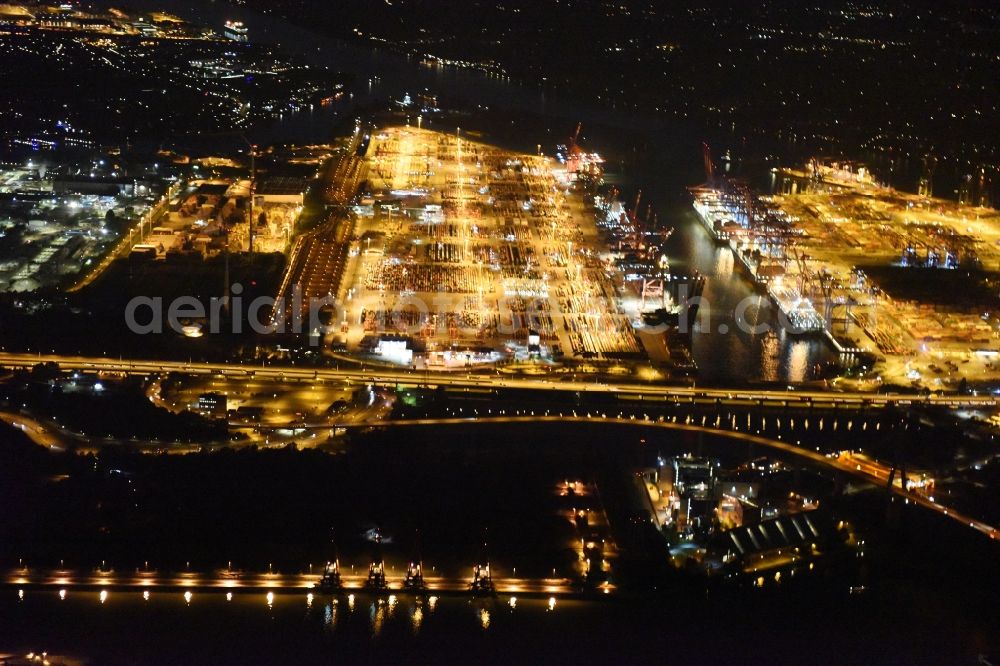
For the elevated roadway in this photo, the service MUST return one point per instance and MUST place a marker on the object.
(382, 376)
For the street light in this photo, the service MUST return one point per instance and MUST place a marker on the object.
(253, 180)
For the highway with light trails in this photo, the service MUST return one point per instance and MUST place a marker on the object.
(382, 376)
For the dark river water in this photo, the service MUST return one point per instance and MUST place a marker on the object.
(288, 628)
(651, 153)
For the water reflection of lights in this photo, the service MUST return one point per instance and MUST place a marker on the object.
(798, 361)
(309, 600)
(229, 596)
(20, 595)
(552, 603)
(513, 602)
(62, 594)
(417, 617)
(432, 602)
(484, 618)
(270, 599)
(350, 601)
(187, 597)
(330, 615)
(104, 596)
(145, 595)
(377, 613)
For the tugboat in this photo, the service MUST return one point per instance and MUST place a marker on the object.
(376, 576)
(330, 582)
(376, 569)
(414, 581)
(482, 581)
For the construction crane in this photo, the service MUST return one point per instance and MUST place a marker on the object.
(574, 148)
(927, 177)
(654, 287)
(709, 167)
(574, 154)
(826, 286)
(805, 279)
(983, 200)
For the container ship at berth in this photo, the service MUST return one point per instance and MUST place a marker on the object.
(762, 240)
(662, 302)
